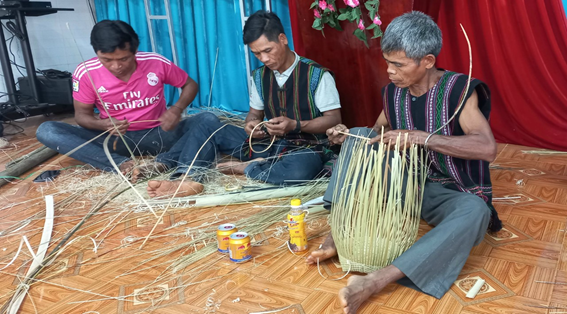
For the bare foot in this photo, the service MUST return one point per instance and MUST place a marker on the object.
(236, 167)
(360, 288)
(127, 166)
(167, 188)
(325, 251)
(145, 171)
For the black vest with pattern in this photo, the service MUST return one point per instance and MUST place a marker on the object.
(296, 98)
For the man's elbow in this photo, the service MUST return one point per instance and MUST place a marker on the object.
(193, 86)
(491, 152)
(190, 84)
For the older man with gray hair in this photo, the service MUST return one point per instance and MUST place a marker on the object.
(457, 197)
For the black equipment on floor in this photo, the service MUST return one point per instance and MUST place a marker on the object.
(33, 99)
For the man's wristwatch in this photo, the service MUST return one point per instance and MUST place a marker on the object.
(297, 127)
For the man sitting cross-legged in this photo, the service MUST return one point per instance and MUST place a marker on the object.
(457, 195)
(130, 85)
(298, 98)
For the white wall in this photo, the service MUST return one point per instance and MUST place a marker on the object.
(51, 42)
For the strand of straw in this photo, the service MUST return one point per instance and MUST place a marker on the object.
(354, 135)
(272, 311)
(213, 79)
(327, 278)
(180, 184)
(468, 83)
(250, 139)
(107, 152)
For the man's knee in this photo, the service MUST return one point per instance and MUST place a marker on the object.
(476, 215)
(207, 118)
(476, 207)
(46, 131)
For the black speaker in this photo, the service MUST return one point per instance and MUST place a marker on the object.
(51, 90)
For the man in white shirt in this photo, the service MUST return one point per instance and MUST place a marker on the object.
(296, 96)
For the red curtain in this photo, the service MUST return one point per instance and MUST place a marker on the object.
(519, 50)
(360, 72)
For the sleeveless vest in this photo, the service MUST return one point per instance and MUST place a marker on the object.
(428, 113)
(295, 99)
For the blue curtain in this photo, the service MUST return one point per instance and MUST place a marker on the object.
(201, 27)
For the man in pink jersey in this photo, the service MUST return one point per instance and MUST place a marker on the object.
(127, 87)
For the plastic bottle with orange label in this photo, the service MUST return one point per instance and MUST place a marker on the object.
(296, 226)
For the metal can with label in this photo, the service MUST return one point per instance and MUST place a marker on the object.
(239, 247)
(223, 236)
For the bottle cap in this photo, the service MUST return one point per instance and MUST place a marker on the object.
(295, 202)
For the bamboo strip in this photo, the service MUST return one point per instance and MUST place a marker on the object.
(22, 289)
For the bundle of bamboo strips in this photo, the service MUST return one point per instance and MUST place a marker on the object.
(376, 212)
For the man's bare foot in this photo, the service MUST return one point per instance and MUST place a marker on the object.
(127, 166)
(325, 251)
(360, 288)
(236, 167)
(167, 188)
(147, 170)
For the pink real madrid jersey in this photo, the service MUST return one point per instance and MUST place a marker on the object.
(139, 99)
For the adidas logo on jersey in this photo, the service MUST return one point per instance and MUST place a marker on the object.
(102, 90)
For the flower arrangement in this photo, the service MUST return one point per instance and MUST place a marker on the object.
(326, 12)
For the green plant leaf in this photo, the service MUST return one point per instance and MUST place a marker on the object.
(337, 26)
(344, 16)
(314, 4)
(377, 32)
(362, 36)
(369, 6)
(372, 26)
(317, 24)
(343, 10)
(354, 15)
(372, 14)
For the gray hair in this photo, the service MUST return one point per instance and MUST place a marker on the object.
(414, 33)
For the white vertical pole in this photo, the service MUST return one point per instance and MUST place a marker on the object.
(243, 19)
(149, 21)
(150, 17)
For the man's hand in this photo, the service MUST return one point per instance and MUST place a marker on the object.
(334, 136)
(170, 118)
(414, 137)
(121, 126)
(280, 126)
(258, 133)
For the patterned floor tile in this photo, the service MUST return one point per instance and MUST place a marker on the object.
(492, 289)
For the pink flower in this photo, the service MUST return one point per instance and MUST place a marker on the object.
(323, 4)
(332, 8)
(352, 3)
(317, 14)
(360, 25)
(377, 21)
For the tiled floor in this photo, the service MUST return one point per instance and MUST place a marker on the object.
(119, 277)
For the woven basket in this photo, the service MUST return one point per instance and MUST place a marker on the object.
(376, 204)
